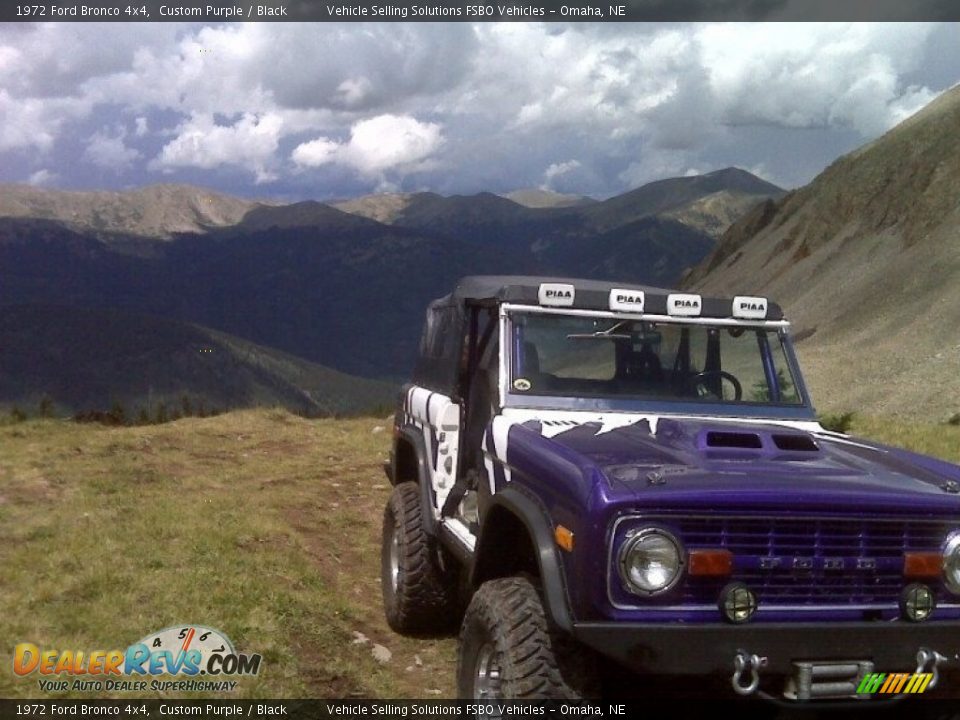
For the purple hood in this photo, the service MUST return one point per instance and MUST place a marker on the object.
(691, 464)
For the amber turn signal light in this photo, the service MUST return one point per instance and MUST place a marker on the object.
(710, 562)
(564, 538)
(922, 564)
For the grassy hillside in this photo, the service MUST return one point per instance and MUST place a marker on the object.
(258, 523)
(349, 296)
(89, 359)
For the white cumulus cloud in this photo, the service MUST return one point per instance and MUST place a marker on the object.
(632, 102)
(32, 123)
(250, 143)
(42, 177)
(110, 151)
(556, 170)
(813, 75)
(399, 143)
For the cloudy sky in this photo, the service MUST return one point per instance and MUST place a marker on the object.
(322, 110)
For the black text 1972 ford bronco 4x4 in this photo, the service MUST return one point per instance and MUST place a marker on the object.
(606, 473)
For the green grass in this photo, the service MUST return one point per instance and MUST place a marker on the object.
(940, 440)
(258, 523)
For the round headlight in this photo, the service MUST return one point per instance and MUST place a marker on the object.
(650, 561)
(951, 564)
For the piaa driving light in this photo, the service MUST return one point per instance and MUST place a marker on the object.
(951, 563)
(650, 561)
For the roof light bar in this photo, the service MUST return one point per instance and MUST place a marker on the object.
(627, 300)
(684, 304)
(749, 308)
(556, 294)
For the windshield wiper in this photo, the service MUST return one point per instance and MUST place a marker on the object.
(608, 334)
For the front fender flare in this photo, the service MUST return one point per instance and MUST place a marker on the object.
(531, 513)
(414, 436)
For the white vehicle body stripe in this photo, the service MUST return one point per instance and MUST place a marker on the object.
(552, 419)
(501, 440)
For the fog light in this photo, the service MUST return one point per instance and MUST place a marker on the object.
(737, 603)
(916, 602)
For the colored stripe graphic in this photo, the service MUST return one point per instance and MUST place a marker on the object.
(894, 683)
(871, 683)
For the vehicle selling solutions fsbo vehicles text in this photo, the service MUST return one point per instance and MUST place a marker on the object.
(394, 11)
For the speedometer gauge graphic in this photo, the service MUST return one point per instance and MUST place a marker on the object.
(181, 639)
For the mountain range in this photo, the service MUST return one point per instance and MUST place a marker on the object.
(866, 262)
(157, 211)
(335, 289)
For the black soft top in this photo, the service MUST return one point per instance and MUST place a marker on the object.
(447, 321)
(589, 295)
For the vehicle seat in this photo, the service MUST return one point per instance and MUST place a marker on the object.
(643, 370)
(539, 380)
(531, 360)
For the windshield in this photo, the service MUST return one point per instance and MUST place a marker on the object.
(573, 356)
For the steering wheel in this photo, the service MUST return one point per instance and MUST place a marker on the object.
(696, 382)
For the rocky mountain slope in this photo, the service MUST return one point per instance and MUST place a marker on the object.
(866, 261)
(685, 196)
(156, 211)
(540, 198)
(708, 203)
(382, 207)
(387, 207)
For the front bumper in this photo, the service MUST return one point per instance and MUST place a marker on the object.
(688, 649)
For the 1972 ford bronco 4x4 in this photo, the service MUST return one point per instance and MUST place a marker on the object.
(605, 473)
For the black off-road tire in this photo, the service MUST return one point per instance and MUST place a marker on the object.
(424, 600)
(536, 660)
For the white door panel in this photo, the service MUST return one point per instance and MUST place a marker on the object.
(439, 417)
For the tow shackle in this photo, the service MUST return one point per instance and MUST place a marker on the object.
(746, 672)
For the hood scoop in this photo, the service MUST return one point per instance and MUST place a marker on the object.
(744, 440)
(795, 442)
(749, 445)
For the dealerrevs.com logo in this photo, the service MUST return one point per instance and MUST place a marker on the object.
(202, 655)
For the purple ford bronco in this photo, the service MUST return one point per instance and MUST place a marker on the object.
(592, 475)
